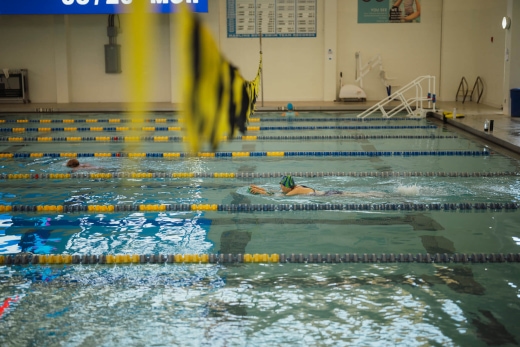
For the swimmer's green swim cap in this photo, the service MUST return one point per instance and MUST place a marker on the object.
(287, 181)
(289, 106)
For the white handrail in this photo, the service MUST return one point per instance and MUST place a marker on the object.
(407, 104)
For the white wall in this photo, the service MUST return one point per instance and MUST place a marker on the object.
(88, 80)
(452, 40)
(28, 42)
(293, 67)
(408, 50)
(512, 67)
(490, 65)
(458, 50)
(467, 49)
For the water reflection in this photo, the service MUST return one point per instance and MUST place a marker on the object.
(245, 305)
(138, 233)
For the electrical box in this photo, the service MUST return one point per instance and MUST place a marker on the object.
(14, 86)
(112, 58)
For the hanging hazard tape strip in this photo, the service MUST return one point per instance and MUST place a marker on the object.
(216, 99)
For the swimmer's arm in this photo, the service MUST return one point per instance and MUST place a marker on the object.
(293, 192)
(258, 190)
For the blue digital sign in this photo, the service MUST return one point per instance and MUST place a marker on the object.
(13, 7)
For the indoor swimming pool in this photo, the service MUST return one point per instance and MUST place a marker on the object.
(153, 245)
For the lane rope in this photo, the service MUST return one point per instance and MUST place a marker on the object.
(92, 120)
(242, 175)
(180, 120)
(109, 208)
(293, 258)
(255, 154)
(121, 139)
(249, 128)
(86, 129)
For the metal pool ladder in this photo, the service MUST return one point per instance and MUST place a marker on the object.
(411, 98)
(463, 90)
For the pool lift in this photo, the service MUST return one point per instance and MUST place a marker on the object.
(351, 92)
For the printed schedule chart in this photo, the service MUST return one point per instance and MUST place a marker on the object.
(272, 18)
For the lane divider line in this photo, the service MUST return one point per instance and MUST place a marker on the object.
(249, 128)
(242, 175)
(122, 139)
(92, 129)
(109, 208)
(180, 120)
(457, 153)
(277, 258)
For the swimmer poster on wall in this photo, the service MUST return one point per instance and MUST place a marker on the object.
(389, 11)
(273, 18)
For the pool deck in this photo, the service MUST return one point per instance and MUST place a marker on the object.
(506, 129)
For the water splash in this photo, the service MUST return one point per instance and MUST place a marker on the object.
(410, 190)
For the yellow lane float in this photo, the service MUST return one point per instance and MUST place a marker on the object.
(450, 115)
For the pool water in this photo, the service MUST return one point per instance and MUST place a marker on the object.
(264, 304)
(446, 193)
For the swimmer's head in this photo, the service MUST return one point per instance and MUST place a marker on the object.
(73, 163)
(287, 181)
(289, 106)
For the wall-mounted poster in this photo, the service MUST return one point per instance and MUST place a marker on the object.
(273, 18)
(389, 11)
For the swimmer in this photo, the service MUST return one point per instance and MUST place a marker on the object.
(75, 165)
(290, 114)
(289, 188)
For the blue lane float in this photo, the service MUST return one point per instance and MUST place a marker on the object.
(176, 120)
(90, 120)
(237, 138)
(348, 127)
(261, 128)
(280, 154)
